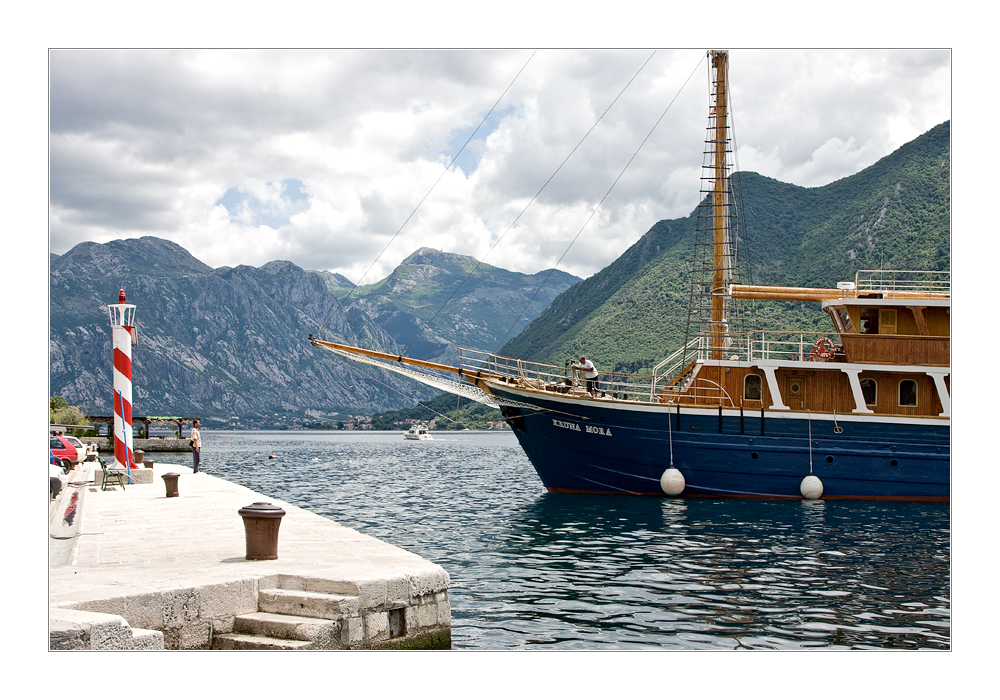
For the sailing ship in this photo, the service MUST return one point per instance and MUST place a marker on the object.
(862, 412)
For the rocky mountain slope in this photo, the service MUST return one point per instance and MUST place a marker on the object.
(436, 302)
(214, 343)
(230, 344)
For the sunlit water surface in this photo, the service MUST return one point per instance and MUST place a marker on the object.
(535, 570)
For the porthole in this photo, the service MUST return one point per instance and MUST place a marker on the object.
(829, 459)
(795, 388)
(894, 462)
(753, 455)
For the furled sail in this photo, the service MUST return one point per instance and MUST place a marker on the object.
(469, 391)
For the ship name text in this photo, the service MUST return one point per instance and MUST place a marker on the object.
(596, 429)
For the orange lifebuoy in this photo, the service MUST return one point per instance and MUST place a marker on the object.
(823, 349)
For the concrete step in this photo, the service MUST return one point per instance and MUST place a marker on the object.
(308, 629)
(249, 641)
(328, 606)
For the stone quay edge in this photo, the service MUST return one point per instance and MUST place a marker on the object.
(132, 569)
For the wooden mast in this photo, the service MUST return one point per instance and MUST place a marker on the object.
(720, 62)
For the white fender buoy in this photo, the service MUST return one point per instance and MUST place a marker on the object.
(672, 482)
(811, 488)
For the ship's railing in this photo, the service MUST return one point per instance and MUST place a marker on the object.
(666, 373)
(680, 359)
(800, 346)
(698, 392)
(564, 380)
(889, 281)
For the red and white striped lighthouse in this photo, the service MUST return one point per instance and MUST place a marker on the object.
(123, 337)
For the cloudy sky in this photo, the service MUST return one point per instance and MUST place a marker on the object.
(319, 157)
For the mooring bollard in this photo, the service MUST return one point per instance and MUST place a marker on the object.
(170, 480)
(137, 456)
(261, 521)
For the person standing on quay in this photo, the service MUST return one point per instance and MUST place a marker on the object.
(196, 444)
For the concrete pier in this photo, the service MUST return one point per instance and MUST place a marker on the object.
(132, 569)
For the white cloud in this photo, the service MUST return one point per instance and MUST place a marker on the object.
(319, 157)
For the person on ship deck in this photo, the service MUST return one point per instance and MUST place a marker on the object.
(590, 374)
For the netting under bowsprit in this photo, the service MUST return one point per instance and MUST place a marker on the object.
(468, 391)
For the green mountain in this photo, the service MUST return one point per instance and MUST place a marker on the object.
(435, 302)
(894, 214)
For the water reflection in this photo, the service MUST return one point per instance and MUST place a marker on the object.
(537, 570)
(701, 573)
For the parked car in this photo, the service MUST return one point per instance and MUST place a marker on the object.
(81, 449)
(64, 451)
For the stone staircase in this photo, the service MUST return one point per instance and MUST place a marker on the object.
(294, 619)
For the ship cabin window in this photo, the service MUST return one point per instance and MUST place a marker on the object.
(907, 393)
(845, 320)
(752, 387)
(869, 389)
(869, 321)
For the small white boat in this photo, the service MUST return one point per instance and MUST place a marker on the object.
(417, 432)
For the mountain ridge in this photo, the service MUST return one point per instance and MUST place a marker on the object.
(222, 342)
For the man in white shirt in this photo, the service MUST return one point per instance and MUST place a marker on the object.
(196, 444)
(589, 373)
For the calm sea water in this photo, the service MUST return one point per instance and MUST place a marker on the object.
(534, 570)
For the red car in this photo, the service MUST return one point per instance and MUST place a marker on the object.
(64, 451)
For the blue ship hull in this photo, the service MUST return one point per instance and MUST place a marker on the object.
(596, 447)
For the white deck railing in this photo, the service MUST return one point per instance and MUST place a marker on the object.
(564, 380)
(795, 346)
(889, 281)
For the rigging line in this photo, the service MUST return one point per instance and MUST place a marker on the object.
(506, 90)
(422, 404)
(446, 416)
(599, 204)
(532, 200)
(355, 369)
(538, 412)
